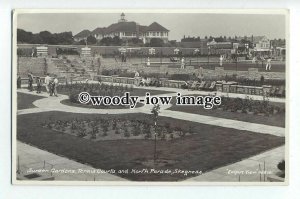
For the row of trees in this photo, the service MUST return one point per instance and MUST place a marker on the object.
(44, 37)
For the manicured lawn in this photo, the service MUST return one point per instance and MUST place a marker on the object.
(208, 148)
(273, 120)
(24, 101)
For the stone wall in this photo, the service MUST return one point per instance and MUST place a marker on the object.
(35, 65)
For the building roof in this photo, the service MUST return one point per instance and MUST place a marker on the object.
(223, 45)
(256, 39)
(156, 27)
(84, 33)
(133, 27)
(122, 27)
(98, 31)
(142, 28)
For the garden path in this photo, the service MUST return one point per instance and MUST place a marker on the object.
(54, 104)
(33, 158)
(196, 92)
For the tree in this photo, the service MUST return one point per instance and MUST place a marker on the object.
(136, 41)
(35, 39)
(155, 111)
(116, 41)
(156, 42)
(106, 41)
(82, 42)
(64, 38)
(173, 43)
(47, 37)
(23, 36)
(91, 40)
(44, 37)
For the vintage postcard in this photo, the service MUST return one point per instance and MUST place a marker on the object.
(150, 97)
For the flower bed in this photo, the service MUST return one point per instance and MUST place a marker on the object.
(73, 90)
(116, 129)
(250, 106)
(209, 147)
(247, 110)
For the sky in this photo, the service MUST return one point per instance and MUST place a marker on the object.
(179, 24)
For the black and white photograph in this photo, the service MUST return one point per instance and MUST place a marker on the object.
(120, 97)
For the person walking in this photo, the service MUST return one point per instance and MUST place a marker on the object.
(47, 82)
(55, 81)
(254, 60)
(39, 85)
(221, 60)
(182, 63)
(30, 81)
(19, 81)
(51, 87)
(268, 65)
(136, 78)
